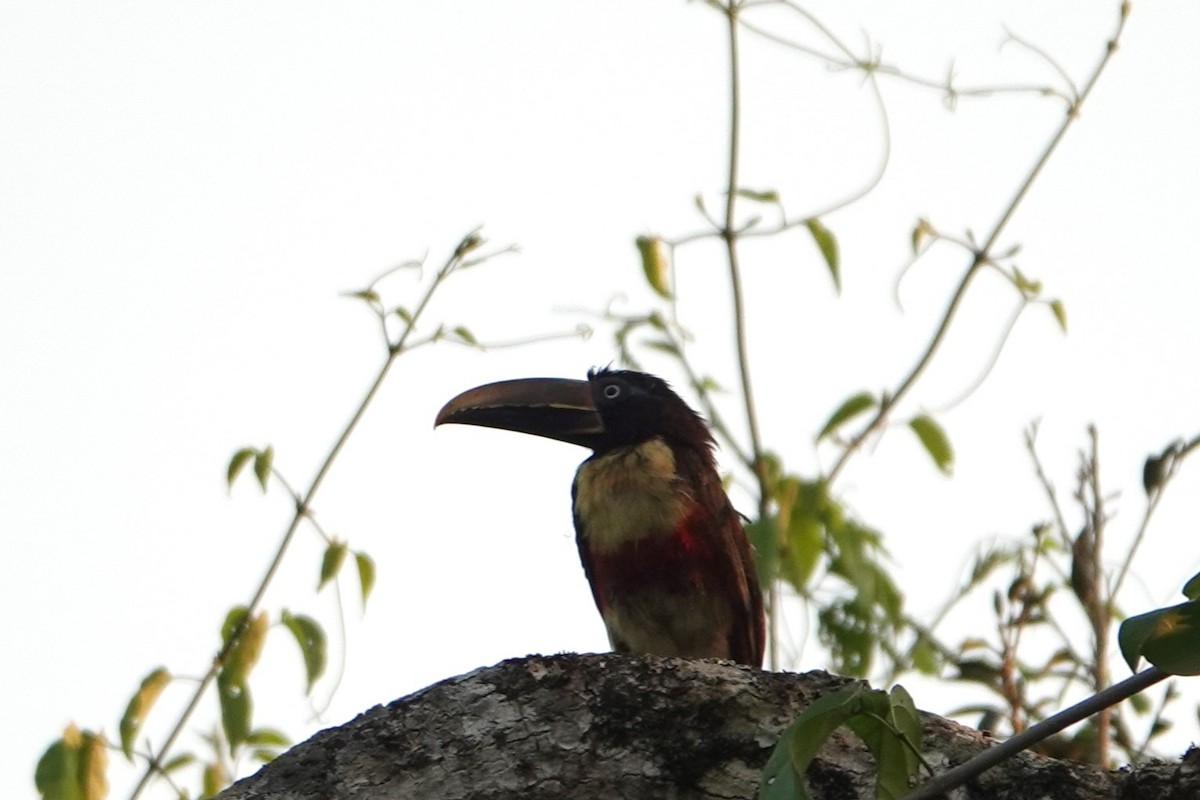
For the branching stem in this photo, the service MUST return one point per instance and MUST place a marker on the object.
(303, 508)
(730, 234)
(980, 256)
(953, 778)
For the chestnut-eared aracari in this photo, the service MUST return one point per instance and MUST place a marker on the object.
(669, 564)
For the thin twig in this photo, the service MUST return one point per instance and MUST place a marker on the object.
(1051, 495)
(982, 255)
(301, 512)
(1099, 610)
(730, 234)
(957, 776)
(303, 509)
(1151, 505)
(992, 361)
(847, 60)
(1049, 59)
(715, 420)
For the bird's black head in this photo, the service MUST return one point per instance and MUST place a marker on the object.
(611, 409)
(637, 406)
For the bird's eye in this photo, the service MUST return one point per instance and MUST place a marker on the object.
(612, 391)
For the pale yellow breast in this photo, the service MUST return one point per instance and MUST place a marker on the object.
(629, 493)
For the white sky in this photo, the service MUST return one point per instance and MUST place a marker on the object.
(186, 189)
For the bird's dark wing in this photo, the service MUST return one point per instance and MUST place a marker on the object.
(738, 578)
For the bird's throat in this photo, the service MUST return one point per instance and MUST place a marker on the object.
(629, 494)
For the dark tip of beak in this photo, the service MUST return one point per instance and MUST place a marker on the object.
(556, 408)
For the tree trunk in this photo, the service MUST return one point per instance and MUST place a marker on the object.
(609, 726)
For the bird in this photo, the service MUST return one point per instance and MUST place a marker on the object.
(671, 570)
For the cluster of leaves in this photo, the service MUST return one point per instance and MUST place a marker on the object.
(74, 767)
(1168, 635)
(803, 537)
(887, 722)
(928, 432)
(806, 539)
(1050, 573)
(807, 528)
(1169, 638)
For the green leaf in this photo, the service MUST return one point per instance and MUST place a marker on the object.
(979, 670)
(763, 544)
(267, 744)
(769, 196)
(907, 720)
(233, 619)
(655, 264)
(179, 762)
(73, 768)
(798, 532)
(139, 707)
(236, 463)
(311, 638)
(331, 563)
(925, 656)
(662, 346)
(802, 549)
(262, 465)
(236, 709)
(471, 242)
(850, 408)
(1155, 472)
(93, 766)
(779, 779)
(1169, 638)
(919, 232)
(57, 773)
(1191, 589)
(783, 775)
(935, 441)
(268, 737)
(853, 626)
(827, 244)
(404, 314)
(876, 726)
(1132, 636)
(846, 628)
(366, 574)
(463, 333)
(366, 295)
(986, 562)
(242, 657)
(214, 779)
(821, 718)
(1060, 313)
(1026, 286)
(803, 543)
